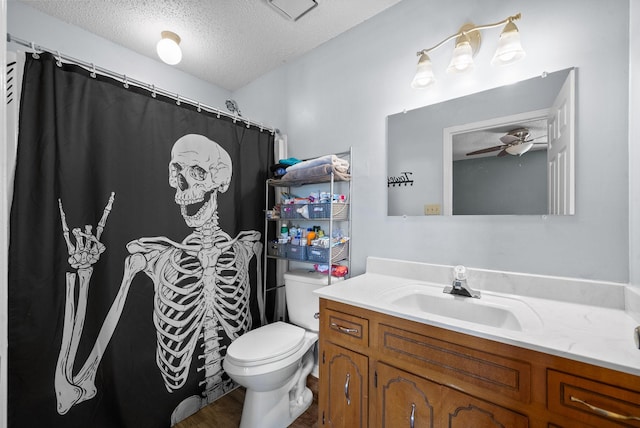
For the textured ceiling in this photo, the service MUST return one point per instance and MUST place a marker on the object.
(226, 42)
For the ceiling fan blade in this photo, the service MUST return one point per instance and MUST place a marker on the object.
(508, 139)
(487, 150)
(528, 140)
(503, 153)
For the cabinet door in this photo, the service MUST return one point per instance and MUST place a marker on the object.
(404, 400)
(344, 379)
(464, 411)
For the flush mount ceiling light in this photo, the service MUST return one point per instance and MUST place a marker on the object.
(466, 46)
(293, 9)
(168, 48)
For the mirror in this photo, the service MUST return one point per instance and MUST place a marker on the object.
(504, 151)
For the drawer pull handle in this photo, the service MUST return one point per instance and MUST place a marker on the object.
(343, 328)
(605, 413)
(412, 418)
(346, 389)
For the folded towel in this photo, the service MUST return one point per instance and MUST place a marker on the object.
(315, 173)
(289, 161)
(340, 165)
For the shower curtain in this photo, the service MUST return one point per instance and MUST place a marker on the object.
(135, 251)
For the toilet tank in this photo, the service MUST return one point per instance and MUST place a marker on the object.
(302, 303)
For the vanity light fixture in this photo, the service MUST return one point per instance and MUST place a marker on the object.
(509, 47)
(168, 48)
(467, 45)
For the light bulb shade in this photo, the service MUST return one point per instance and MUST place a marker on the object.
(509, 47)
(519, 149)
(168, 48)
(424, 74)
(462, 59)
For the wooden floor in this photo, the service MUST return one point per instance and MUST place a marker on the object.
(226, 411)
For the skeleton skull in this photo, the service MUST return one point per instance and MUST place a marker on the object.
(198, 170)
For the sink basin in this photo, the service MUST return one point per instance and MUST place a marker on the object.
(490, 310)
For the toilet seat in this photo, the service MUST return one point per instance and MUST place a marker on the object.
(269, 343)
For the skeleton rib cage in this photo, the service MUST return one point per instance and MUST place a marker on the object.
(188, 302)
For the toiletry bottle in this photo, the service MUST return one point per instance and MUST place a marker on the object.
(311, 235)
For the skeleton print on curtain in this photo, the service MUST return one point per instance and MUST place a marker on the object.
(135, 252)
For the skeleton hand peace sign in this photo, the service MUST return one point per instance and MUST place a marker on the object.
(88, 247)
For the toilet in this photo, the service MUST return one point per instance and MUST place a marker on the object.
(272, 362)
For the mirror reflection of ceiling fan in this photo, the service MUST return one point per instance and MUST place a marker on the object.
(515, 142)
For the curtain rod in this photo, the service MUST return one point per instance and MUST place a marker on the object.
(128, 81)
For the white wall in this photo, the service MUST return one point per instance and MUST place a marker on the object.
(634, 147)
(340, 94)
(29, 24)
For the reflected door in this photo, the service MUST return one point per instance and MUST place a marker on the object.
(560, 159)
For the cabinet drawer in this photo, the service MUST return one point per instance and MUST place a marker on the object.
(446, 360)
(590, 402)
(346, 329)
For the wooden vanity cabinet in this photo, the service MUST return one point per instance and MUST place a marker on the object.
(346, 395)
(382, 371)
(407, 400)
(402, 397)
(344, 368)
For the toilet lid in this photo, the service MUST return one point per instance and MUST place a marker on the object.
(269, 342)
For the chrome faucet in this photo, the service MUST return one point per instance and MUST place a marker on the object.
(459, 287)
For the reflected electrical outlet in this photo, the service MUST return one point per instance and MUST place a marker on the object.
(432, 209)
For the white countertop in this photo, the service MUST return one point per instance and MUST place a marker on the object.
(592, 328)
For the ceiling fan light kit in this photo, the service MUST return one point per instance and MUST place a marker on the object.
(466, 46)
(519, 149)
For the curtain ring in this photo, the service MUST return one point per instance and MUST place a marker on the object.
(153, 91)
(248, 124)
(93, 71)
(125, 82)
(58, 59)
(261, 127)
(34, 54)
(177, 99)
(199, 108)
(218, 111)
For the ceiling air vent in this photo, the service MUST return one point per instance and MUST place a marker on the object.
(293, 9)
